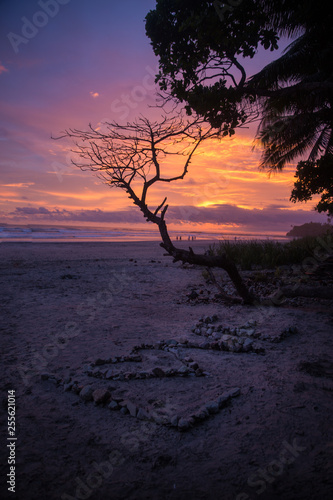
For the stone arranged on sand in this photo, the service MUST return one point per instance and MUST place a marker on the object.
(287, 332)
(101, 396)
(217, 337)
(224, 338)
(86, 393)
(234, 339)
(114, 405)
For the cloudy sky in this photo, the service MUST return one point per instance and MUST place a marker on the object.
(68, 63)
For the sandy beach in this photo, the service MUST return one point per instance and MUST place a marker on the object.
(121, 392)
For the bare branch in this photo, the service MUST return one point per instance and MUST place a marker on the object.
(131, 157)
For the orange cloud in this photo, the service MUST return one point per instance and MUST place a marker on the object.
(3, 69)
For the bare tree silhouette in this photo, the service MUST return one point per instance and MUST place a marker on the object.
(130, 157)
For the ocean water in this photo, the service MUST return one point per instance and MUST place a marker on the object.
(40, 233)
(56, 233)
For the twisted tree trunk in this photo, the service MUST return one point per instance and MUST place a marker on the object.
(188, 256)
(220, 261)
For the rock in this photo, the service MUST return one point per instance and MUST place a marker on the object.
(99, 362)
(201, 414)
(87, 369)
(193, 295)
(247, 345)
(119, 395)
(183, 370)
(160, 419)
(248, 342)
(232, 393)
(109, 374)
(226, 337)
(143, 414)
(188, 359)
(132, 409)
(68, 386)
(76, 389)
(212, 407)
(158, 372)
(171, 342)
(183, 424)
(194, 365)
(174, 420)
(237, 347)
(86, 393)
(228, 346)
(210, 331)
(113, 405)
(173, 350)
(101, 396)
(135, 358)
(124, 410)
(242, 332)
(204, 345)
(198, 372)
(222, 400)
(53, 380)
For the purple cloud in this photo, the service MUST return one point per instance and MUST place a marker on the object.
(270, 219)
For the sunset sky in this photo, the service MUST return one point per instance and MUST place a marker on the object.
(68, 63)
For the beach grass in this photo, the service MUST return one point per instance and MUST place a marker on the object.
(270, 254)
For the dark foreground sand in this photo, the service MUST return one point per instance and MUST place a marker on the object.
(65, 305)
